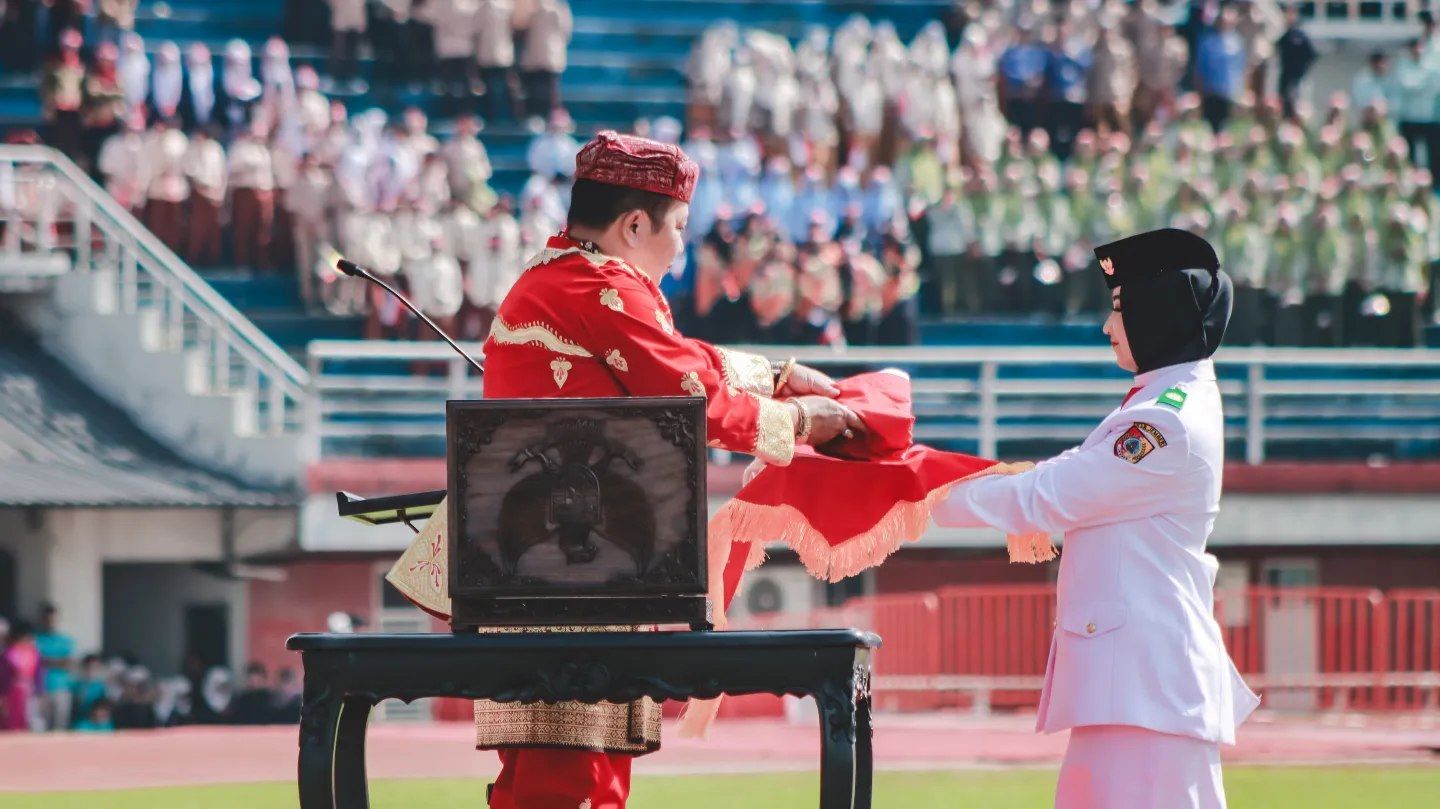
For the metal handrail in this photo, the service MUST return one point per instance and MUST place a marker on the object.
(224, 330)
(351, 405)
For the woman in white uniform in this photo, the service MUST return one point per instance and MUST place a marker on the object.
(1138, 671)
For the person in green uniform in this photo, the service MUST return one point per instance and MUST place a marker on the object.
(1083, 288)
(1402, 274)
(1243, 252)
(1282, 277)
(1361, 324)
(1324, 276)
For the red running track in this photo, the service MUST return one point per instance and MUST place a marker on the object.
(206, 755)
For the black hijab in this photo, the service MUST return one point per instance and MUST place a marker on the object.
(1175, 300)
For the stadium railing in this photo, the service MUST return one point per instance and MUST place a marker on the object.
(1364, 19)
(1306, 648)
(379, 398)
(51, 210)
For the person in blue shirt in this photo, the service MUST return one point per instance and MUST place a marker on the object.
(97, 719)
(90, 688)
(1022, 80)
(1065, 73)
(1219, 69)
(57, 658)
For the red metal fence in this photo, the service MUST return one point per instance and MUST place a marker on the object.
(1306, 648)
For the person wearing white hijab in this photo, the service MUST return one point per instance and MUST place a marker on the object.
(737, 100)
(134, 70)
(705, 71)
(198, 97)
(239, 89)
(167, 85)
(218, 689)
(277, 80)
(973, 68)
(437, 285)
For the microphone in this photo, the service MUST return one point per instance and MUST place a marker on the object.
(354, 270)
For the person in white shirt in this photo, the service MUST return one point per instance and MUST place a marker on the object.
(277, 87)
(308, 201)
(502, 254)
(495, 55)
(205, 168)
(1416, 100)
(252, 194)
(348, 22)
(122, 164)
(973, 68)
(705, 72)
(284, 167)
(456, 29)
(1138, 671)
(1372, 84)
(466, 159)
(546, 40)
(552, 154)
(166, 186)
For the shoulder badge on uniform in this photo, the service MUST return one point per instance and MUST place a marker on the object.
(1173, 397)
(1137, 442)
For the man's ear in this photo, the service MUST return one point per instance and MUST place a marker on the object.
(631, 224)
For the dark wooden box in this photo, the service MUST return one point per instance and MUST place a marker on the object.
(577, 512)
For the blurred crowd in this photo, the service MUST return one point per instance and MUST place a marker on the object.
(509, 53)
(850, 182)
(1052, 127)
(46, 685)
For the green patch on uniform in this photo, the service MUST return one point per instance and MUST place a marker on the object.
(1173, 397)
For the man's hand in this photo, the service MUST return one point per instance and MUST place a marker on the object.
(828, 419)
(806, 381)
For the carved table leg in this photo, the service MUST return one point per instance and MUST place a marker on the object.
(864, 763)
(319, 720)
(350, 787)
(837, 746)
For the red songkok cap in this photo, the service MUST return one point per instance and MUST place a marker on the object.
(635, 162)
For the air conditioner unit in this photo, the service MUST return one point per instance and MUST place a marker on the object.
(780, 588)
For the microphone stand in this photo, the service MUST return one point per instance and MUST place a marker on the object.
(354, 270)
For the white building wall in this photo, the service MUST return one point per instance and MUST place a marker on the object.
(61, 555)
(144, 611)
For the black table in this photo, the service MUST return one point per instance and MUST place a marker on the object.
(345, 675)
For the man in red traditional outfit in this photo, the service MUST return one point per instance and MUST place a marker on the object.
(587, 319)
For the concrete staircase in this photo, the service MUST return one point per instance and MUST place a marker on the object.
(143, 330)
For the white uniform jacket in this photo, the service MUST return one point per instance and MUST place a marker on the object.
(1136, 641)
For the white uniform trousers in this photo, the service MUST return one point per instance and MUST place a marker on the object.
(1124, 767)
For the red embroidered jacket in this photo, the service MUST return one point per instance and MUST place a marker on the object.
(584, 324)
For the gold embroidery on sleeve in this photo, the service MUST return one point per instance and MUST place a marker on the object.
(614, 360)
(664, 322)
(747, 372)
(774, 432)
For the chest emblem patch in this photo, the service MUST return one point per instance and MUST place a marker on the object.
(1137, 442)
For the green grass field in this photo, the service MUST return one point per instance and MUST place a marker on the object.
(1247, 787)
